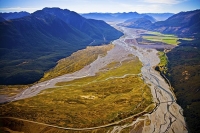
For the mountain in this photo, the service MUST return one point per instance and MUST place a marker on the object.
(136, 23)
(14, 15)
(183, 23)
(97, 29)
(26, 43)
(160, 16)
(117, 16)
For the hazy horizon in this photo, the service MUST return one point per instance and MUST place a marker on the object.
(103, 6)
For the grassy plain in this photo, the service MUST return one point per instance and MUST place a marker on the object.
(164, 38)
(115, 93)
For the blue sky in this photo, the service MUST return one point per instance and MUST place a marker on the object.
(85, 6)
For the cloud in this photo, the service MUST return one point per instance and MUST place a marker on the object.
(18, 9)
(140, 8)
(164, 1)
(151, 8)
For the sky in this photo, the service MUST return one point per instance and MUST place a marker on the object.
(104, 6)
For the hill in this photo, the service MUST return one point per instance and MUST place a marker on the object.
(14, 15)
(28, 42)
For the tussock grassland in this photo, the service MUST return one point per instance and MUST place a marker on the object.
(18, 126)
(115, 93)
(77, 61)
(11, 90)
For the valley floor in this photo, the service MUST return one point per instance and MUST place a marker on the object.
(166, 117)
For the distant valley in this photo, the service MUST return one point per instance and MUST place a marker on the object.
(182, 24)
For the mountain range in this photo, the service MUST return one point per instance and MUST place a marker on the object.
(120, 17)
(183, 24)
(13, 15)
(46, 36)
(153, 17)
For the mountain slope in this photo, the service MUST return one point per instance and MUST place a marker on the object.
(183, 66)
(39, 25)
(28, 42)
(14, 15)
(33, 44)
(183, 23)
(2, 19)
(96, 29)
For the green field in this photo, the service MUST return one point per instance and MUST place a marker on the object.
(164, 38)
(115, 93)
